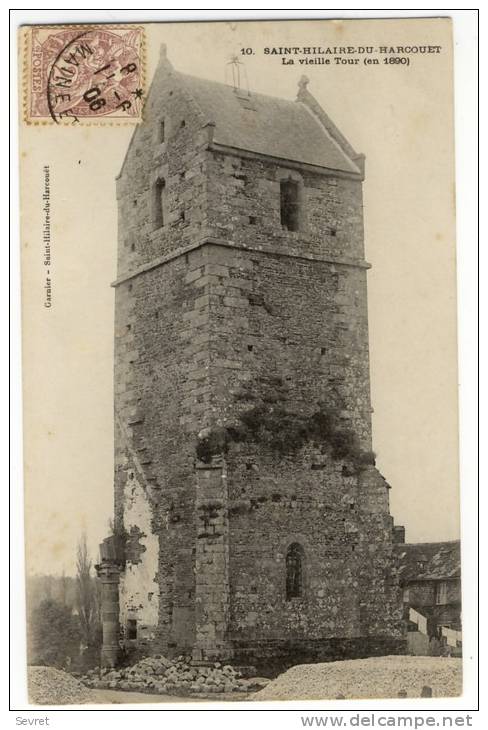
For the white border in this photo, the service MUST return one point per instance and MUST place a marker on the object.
(465, 30)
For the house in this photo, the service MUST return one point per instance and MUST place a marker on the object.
(430, 578)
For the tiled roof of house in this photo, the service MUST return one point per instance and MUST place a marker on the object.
(267, 125)
(429, 560)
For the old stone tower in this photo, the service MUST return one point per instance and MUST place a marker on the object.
(253, 521)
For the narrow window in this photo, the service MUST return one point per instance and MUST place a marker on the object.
(131, 629)
(158, 203)
(294, 571)
(162, 137)
(289, 204)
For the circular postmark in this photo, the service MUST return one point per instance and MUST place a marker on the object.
(87, 73)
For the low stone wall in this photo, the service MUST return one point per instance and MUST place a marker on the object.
(273, 657)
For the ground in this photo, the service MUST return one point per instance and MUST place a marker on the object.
(377, 677)
(117, 697)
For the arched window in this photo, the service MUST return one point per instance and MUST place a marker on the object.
(289, 204)
(158, 203)
(294, 571)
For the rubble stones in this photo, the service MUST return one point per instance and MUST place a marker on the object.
(159, 675)
(49, 686)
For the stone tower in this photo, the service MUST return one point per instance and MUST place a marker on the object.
(256, 527)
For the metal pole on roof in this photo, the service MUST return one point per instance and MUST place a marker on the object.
(235, 63)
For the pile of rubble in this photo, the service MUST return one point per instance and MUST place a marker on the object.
(49, 686)
(376, 677)
(159, 675)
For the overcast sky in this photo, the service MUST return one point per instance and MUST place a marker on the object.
(401, 119)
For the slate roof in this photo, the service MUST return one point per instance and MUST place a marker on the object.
(266, 125)
(429, 560)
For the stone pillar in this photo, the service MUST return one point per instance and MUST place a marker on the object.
(109, 574)
(212, 564)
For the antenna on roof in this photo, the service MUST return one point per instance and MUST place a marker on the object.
(302, 87)
(239, 73)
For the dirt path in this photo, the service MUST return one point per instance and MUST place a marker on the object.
(119, 697)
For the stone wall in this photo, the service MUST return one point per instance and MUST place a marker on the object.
(179, 160)
(271, 657)
(293, 313)
(139, 587)
(156, 438)
(160, 376)
(302, 320)
(244, 207)
(212, 564)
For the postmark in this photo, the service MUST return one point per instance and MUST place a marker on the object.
(84, 74)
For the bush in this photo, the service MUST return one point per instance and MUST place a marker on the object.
(268, 419)
(54, 635)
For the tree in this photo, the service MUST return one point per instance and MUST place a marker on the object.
(86, 595)
(63, 586)
(54, 634)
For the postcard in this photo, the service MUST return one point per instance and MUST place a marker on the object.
(240, 361)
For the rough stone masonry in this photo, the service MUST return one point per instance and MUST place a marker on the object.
(250, 521)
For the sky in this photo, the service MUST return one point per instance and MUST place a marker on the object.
(401, 118)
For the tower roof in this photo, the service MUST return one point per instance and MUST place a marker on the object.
(267, 125)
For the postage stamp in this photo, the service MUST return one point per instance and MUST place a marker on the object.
(83, 74)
